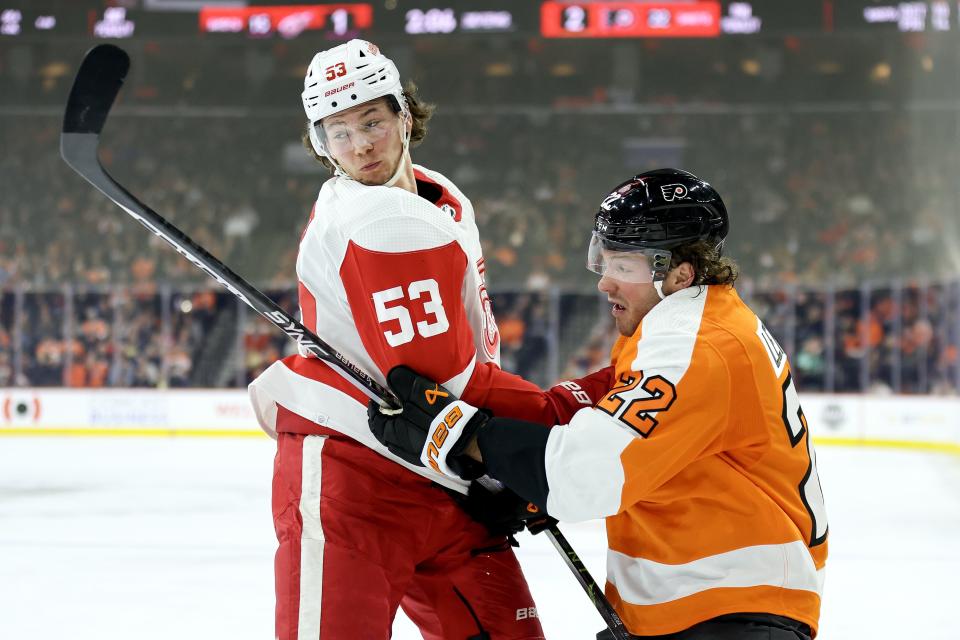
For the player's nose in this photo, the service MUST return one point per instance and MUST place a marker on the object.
(606, 284)
(361, 144)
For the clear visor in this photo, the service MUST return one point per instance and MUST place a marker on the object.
(626, 262)
(341, 137)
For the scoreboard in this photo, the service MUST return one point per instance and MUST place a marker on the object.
(288, 19)
(906, 17)
(712, 18)
(337, 21)
(629, 19)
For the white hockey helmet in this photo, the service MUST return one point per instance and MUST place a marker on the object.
(343, 77)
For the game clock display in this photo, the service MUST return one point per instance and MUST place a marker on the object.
(441, 20)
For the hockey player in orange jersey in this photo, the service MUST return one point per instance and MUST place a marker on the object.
(699, 456)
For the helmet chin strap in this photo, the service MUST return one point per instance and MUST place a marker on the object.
(401, 164)
(658, 285)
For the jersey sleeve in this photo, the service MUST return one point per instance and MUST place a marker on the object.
(647, 429)
(510, 396)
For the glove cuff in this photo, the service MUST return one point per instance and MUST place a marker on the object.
(448, 436)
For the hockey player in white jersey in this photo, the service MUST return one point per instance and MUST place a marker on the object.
(390, 272)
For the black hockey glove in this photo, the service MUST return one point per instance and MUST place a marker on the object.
(432, 430)
(503, 513)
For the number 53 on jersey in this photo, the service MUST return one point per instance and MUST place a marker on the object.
(396, 303)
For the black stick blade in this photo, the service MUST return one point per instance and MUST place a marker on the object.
(96, 86)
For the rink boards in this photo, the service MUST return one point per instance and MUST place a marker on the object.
(926, 422)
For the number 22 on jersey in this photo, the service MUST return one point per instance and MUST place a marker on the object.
(795, 422)
(395, 304)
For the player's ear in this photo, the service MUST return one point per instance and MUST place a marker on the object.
(681, 276)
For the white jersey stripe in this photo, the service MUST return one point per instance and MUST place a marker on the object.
(458, 383)
(676, 324)
(311, 539)
(645, 582)
(325, 406)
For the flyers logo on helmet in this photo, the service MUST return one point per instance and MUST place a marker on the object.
(673, 192)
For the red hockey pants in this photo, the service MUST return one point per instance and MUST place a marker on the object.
(360, 535)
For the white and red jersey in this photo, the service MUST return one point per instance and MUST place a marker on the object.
(390, 277)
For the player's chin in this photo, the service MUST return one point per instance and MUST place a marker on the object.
(373, 179)
(627, 324)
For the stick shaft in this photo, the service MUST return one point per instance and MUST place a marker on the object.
(80, 151)
(590, 586)
(95, 89)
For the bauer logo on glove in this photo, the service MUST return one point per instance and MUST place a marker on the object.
(433, 429)
(439, 436)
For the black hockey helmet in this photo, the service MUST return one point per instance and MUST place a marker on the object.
(652, 213)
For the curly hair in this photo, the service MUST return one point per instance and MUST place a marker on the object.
(708, 265)
(420, 111)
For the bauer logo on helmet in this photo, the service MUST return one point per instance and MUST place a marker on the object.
(338, 89)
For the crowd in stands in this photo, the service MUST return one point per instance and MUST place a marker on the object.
(814, 198)
(820, 199)
(902, 338)
(888, 339)
(103, 336)
(807, 212)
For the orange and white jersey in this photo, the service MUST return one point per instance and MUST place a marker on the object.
(700, 460)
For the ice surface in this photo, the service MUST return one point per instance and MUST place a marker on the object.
(104, 539)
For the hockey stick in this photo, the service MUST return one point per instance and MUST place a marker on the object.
(95, 88)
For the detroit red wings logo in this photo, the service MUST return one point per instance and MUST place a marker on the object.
(673, 192)
(491, 335)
